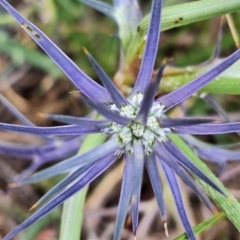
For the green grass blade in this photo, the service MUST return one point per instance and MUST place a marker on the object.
(180, 15)
(204, 225)
(72, 215)
(186, 13)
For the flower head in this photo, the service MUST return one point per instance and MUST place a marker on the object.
(137, 127)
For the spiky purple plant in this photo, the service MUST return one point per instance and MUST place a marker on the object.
(52, 149)
(137, 128)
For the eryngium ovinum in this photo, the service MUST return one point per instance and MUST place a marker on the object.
(137, 127)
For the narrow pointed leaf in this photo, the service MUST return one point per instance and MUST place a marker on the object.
(208, 129)
(62, 130)
(187, 163)
(176, 192)
(226, 83)
(15, 112)
(229, 205)
(60, 148)
(18, 150)
(76, 120)
(150, 52)
(109, 147)
(64, 183)
(214, 152)
(182, 93)
(19, 115)
(149, 97)
(85, 84)
(218, 154)
(169, 122)
(59, 199)
(40, 154)
(166, 157)
(106, 112)
(125, 195)
(153, 173)
(118, 99)
(138, 163)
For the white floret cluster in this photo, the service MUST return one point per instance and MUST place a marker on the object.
(148, 133)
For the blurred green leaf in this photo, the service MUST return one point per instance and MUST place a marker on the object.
(21, 54)
(6, 18)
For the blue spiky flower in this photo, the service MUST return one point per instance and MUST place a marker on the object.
(137, 127)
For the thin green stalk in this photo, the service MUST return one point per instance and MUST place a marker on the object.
(72, 215)
(204, 225)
